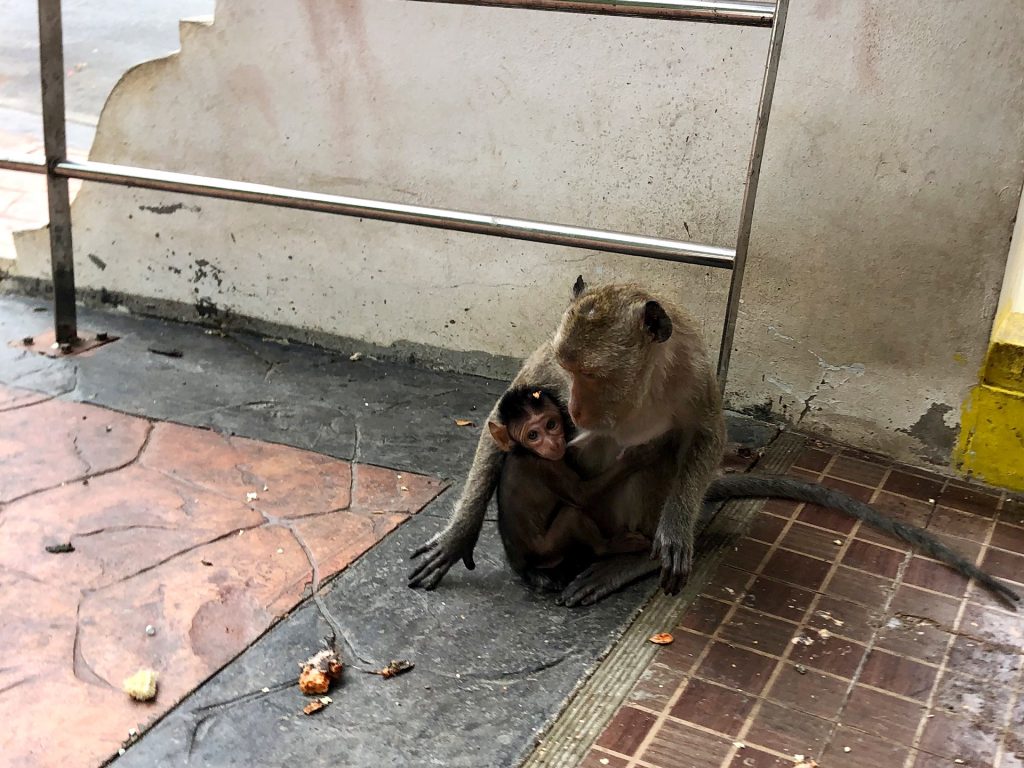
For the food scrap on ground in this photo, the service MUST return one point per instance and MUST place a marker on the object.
(142, 685)
(319, 671)
(396, 668)
(662, 638)
(316, 705)
(60, 549)
(463, 423)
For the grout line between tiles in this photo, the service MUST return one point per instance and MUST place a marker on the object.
(873, 640)
(944, 664)
(782, 657)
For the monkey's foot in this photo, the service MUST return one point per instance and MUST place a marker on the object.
(676, 563)
(605, 577)
(543, 582)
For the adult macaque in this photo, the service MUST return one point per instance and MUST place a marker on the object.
(634, 368)
(546, 512)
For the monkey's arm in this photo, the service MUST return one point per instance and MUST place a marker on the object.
(459, 537)
(570, 526)
(571, 489)
(673, 539)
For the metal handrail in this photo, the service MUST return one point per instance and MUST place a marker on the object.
(678, 251)
(752, 13)
(58, 169)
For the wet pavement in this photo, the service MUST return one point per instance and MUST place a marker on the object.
(822, 639)
(812, 637)
(347, 449)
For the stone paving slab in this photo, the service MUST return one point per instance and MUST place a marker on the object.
(195, 534)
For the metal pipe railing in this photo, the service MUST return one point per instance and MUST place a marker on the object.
(663, 249)
(58, 169)
(62, 261)
(764, 108)
(752, 13)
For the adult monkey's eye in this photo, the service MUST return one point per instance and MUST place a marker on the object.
(532, 435)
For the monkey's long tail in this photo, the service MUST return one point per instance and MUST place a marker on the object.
(780, 487)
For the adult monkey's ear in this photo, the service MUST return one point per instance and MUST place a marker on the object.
(501, 436)
(657, 322)
(578, 287)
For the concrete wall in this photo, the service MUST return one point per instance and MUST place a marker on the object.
(1011, 298)
(893, 170)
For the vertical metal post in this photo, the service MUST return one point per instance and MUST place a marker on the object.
(771, 69)
(51, 68)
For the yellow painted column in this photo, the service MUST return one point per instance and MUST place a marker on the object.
(991, 443)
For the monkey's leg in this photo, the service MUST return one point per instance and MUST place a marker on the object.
(569, 527)
(605, 577)
(628, 543)
(673, 539)
(459, 537)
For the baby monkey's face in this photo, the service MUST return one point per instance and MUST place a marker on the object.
(541, 432)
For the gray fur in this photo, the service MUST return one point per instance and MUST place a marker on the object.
(781, 487)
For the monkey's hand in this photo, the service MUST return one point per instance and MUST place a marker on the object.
(440, 553)
(676, 558)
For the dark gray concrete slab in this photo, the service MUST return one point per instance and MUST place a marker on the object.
(494, 662)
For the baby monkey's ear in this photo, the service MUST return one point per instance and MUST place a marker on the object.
(501, 436)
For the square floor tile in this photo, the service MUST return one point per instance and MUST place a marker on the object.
(758, 631)
(788, 731)
(865, 751)
(713, 706)
(900, 675)
(679, 746)
(744, 670)
(797, 569)
(808, 690)
(627, 730)
(879, 713)
(874, 559)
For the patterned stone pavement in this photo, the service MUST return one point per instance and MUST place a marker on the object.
(196, 535)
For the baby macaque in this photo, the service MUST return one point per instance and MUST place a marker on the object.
(544, 506)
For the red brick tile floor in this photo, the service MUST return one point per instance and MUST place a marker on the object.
(822, 639)
(195, 535)
(23, 195)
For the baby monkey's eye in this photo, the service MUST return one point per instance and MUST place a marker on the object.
(532, 435)
(551, 424)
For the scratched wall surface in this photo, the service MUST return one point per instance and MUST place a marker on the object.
(892, 175)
